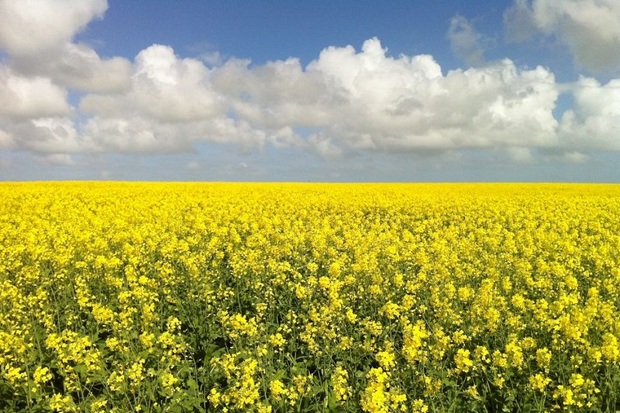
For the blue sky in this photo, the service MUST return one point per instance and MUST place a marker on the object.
(310, 91)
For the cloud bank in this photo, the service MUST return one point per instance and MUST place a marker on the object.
(590, 29)
(344, 101)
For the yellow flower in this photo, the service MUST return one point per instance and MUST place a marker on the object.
(514, 354)
(459, 337)
(103, 315)
(472, 392)
(418, 406)
(543, 357)
(62, 404)
(339, 384)
(350, 315)
(386, 359)
(264, 408)
(301, 386)
(482, 354)
(335, 269)
(462, 360)
(42, 375)
(215, 397)
(241, 326)
(414, 337)
(135, 373)
(610, 349)
(98, 277)
(539, 382)
(576, 380)
(565, 394)
(173, 324)
(324, 282)
(116, 381)
(15, 375)
(375, 398)
(500, 359)
(345, 343)
(276, 340)
(168, 380)
(498, 381)
(518, 301)
(277, 389)
(98, 405)
(390, 310)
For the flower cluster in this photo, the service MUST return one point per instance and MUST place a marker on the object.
(122, 297)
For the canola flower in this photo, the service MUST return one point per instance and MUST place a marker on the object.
(175, 297)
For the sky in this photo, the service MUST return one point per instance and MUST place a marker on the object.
(322, 90)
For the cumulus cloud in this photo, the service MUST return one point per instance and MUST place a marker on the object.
(465, 41)
(28, 27)
(192, 165)
(76, 66)
(163, 87)
(6, 141)
(594, 120)
(324, 146)
(521, 155)
(38, 36)
(132, 134)
(519, 23)
(49, 136)
(172, 102)
(589, 28)
(276, 94)
(575, 157)
(56, 159)
(368, 100)
(42, 66)
(384, 103)
(34, 97)
(353, 100)
(344, 101)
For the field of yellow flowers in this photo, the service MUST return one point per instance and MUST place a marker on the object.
(118, 297)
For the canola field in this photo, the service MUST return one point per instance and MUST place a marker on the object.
(187, 297)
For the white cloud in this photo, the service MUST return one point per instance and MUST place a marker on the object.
(51, 135)
(172, 89)
(519, 24)
(172, 102)
(373, 101)
(346, 100)
(28, 27)
(192, 165)
(362, 100)
(24, 97)
(589, 28)
(38, 36)
(274, 95)
(6, 141)
(465, 41)
(370, 101)
(56, 159)
(141, 134)
(521, 155)
(575, 157)
(131, 134)
(324, 146)
(77, 66)
(162, 87)
(594, 120)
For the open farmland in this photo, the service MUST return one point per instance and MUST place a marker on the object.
(309, 297)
